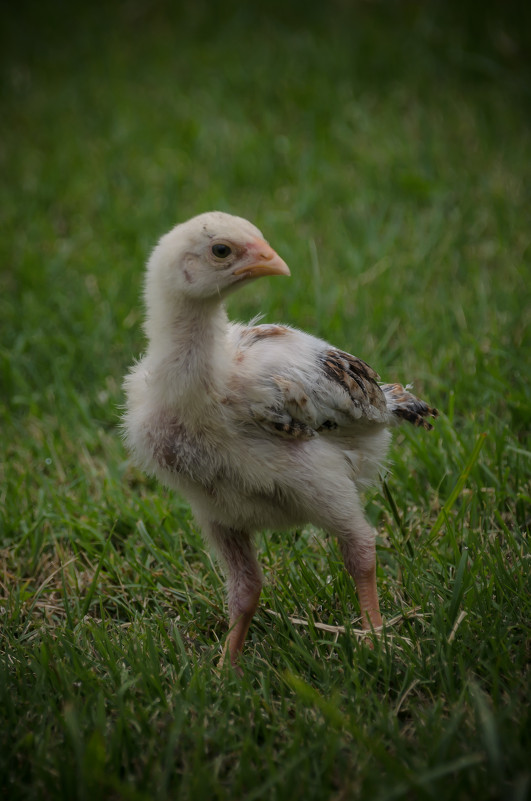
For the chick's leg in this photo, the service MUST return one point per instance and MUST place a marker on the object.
(244, 584)
(359, 555)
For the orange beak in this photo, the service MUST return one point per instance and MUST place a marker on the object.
(262, 260)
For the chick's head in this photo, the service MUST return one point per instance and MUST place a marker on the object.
(210, 255)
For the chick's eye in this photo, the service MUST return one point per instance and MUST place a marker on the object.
(221, 251)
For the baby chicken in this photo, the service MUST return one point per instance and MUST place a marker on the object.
(259, 426)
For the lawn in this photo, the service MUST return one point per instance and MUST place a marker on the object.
(384, 149)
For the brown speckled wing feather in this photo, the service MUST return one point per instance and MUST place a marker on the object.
(358, 380)
(316, 390)
(406, 406)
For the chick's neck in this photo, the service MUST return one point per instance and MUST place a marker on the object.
(186, 348)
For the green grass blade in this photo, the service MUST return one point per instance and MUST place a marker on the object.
(93, 583)
(460, 483)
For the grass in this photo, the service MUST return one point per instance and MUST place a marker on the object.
(384, 150)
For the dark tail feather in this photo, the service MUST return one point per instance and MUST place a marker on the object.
(405, 406)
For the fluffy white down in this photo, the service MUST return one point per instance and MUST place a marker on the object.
(259, 426)
(194, 400)
(211, 448)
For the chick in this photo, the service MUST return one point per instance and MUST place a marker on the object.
(259, 426)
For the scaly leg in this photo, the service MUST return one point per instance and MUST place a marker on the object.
(244, 584)
(359, 555)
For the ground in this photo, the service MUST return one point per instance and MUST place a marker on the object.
(384, 150)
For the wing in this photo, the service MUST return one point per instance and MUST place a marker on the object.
(297, 386)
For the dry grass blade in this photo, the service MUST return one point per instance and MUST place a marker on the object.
(459, 620)
(42, 586)
(299, 621)
(405, 695)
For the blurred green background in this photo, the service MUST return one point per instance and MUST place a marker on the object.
(384, 150)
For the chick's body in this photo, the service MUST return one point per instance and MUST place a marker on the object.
(225, 449)
(259, 426)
